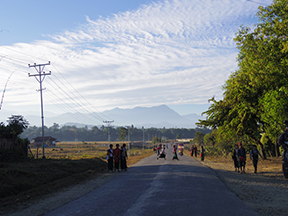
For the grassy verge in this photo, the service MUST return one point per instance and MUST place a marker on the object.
(31, 179)
(271, 167)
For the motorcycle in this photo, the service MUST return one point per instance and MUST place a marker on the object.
(283, 141)
(181, 148)
(285, 162)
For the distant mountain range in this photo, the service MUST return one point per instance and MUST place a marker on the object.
(157, 116)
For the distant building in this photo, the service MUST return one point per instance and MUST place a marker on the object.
(48, 140)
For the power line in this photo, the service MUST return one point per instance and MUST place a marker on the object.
(257, 2)
(20, 61)
(67, 107)
(63, 107)
(79, 93)
(2, 99)
(73, 98)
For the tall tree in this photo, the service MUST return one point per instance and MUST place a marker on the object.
(262, 62)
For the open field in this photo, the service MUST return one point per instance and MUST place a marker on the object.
(80, 150)
(67, 164)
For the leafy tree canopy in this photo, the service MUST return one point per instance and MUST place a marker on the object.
(250, 92)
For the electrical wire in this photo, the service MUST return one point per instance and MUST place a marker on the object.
(258, 2)
(79, 93)
(21, 62)
(2, 99)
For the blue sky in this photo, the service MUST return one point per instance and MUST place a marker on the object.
(128, 53)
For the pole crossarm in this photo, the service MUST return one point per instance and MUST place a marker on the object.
(36, 65)
(44, 74)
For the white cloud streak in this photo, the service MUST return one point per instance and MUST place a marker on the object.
(168, 52)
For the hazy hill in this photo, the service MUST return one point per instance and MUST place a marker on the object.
(157, 116)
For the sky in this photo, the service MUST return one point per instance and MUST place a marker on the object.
(125, 54)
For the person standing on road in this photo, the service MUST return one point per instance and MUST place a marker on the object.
(124, 157)
(110, 158)
(242, 158)
(117, 155)
(191, 151)
(235, 158)
(195, 150)
(175, 157)
(254, 155)
(202, 153)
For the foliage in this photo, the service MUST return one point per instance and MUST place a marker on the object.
(123, 132)
(156, 140)
(16, 125)
(255, 97)
(208, 139)
(199, 138)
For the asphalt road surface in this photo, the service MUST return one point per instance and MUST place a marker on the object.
(160, 187)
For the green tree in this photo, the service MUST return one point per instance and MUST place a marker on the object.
(122, 133)
(199, 138)
(178, 136)
(16, 125)
(274, 105)
(262, 63)
(156, 140)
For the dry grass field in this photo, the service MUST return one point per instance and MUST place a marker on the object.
(67, 164)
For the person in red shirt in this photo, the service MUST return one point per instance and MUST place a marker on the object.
(117, 156)
(159, 148)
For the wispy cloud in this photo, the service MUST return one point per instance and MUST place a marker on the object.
(168, 52)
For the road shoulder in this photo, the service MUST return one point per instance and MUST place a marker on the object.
(264, 193)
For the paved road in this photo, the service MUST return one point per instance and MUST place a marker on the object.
(160, 187)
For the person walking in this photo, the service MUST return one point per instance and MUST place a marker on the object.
(202, 153)
(109, 158)
(175, 157)
(242, 158)
(159, 149)
(235, 158)
(117, 155)
(254, 155)
(163, 153)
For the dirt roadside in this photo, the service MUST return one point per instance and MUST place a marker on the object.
(266, 192)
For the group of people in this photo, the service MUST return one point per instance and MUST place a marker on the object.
(161, 152)
(239, 158)
(193, 150)
(116, 157)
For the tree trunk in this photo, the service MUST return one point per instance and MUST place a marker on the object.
(277, 153)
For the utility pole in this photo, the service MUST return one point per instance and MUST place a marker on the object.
(108, 124)
(40, 78)
(143, 136)
(128, 127)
